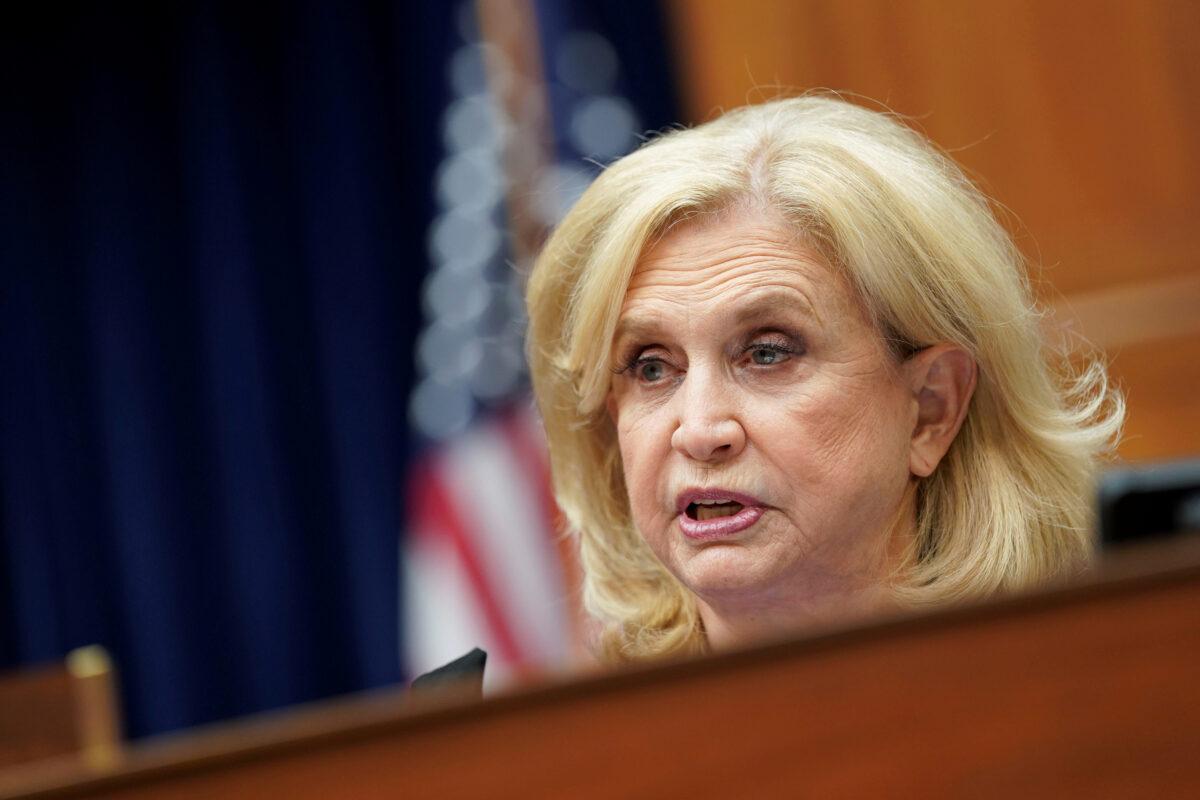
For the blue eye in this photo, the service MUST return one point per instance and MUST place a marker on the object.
(765, 355)
(651, 371)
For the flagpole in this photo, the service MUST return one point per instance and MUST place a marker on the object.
(516, 78)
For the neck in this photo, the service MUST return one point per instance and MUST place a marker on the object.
(730, 625)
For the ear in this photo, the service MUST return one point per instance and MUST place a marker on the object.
(942, 379)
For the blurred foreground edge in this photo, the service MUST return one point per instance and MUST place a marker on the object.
(1081, 689)
(68, 708)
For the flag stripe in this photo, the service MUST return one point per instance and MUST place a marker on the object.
(498, 503)
(437, 511)
(442, 620)
(523, 431)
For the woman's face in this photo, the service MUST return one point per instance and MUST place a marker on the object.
(764, 428)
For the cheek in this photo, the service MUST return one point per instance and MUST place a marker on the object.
(643, 453)
(843, 439)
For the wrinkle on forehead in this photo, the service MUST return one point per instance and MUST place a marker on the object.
(728, 237)
(771, 301)
(751, 274)
(751, 252)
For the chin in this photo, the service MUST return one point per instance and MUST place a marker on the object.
(728, 569)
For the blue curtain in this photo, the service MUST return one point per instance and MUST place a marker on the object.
(211, 235)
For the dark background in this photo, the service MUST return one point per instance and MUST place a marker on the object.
(212, 236)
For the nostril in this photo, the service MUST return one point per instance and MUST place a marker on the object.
(707, 441)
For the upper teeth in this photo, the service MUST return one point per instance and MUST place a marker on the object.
(712, 502)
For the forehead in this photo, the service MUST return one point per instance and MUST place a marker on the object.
(737, 257)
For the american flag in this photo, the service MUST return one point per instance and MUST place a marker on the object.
(536, 108)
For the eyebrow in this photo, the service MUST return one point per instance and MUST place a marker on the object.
(765, 303)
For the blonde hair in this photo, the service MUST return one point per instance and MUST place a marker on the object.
(1008, 506)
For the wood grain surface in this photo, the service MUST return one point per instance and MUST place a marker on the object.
(1086, 690)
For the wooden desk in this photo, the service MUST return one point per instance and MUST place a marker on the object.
(1083, 691)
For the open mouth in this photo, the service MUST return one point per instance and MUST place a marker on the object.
(711, 509)
(716, 515)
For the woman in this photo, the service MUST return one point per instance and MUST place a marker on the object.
(790, 372)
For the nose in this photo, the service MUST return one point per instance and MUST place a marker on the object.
(708, 428)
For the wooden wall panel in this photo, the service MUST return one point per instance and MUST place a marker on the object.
(1080, 119)
(1160, 379)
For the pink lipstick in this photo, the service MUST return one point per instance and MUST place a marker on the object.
(716, 513)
